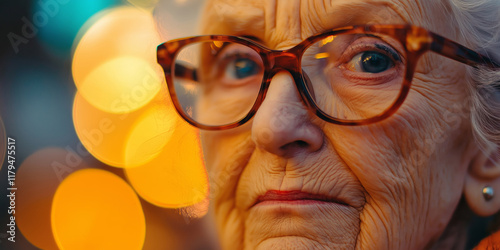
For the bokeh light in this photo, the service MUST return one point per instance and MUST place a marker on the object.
(58, 22)
(37, 179)
(3, 142)
(121, 85)
(149, 134)
(95, 209)
(121, 113)
(176, 177)
(125, 140)
(114, 65)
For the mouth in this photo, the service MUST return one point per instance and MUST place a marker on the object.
(295, 197)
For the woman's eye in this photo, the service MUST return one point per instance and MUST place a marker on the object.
(241, 68)
(370, 62)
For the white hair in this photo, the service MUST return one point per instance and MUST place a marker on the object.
(479, 26)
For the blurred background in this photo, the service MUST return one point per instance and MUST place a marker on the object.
(101, 159)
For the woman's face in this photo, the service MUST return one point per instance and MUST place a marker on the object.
(288, 179)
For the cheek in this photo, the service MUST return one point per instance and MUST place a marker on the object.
(418, 146)
(226, 154)
(408, 165)
(220, 148)
(338, 93)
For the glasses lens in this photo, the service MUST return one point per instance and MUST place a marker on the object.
(216, 82)
(355, 76)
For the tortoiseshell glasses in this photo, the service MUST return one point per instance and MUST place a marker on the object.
(348, 76)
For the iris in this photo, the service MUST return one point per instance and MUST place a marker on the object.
(374, 62)
(243, 67)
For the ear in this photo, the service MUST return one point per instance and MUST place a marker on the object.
(484, 171)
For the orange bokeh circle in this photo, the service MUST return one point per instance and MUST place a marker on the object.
(125, 140)
(114, 65)
(176, 177)
(37, 179)
(95, 209)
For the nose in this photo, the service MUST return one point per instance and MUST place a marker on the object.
(283, 125)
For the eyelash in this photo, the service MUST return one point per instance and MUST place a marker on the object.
(353, 50)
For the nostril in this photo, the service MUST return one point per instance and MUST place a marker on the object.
(283, 126)
(295, 146)
(302, 144)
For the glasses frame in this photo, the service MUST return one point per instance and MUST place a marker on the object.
(415, 40)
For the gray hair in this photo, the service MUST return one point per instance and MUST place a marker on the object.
(479, 28)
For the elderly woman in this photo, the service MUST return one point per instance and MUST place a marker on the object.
(339, 124)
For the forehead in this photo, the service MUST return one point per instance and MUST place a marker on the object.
(290, 21)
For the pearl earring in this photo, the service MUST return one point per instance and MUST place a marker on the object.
(488, 193)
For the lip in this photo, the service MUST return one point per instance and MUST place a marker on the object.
(295, 197)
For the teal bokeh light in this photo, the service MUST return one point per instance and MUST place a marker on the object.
(58, 21)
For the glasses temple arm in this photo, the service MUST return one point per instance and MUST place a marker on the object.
(460, 53)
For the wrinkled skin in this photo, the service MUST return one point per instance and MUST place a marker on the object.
(401, 179)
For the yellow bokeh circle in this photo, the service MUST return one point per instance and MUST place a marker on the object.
(37, 179)
(95, 209)
(37, 183)
(121, 85)
(125, 140)
(114, 65)
(149, 135)
(177, 176)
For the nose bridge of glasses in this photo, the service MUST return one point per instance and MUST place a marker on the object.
(284, 60)
(289, 61)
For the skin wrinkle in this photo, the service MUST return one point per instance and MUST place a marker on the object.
(306, 8)
(377, 159)
(368, 133)
(436, 109)
(368, 219)
(343, 162)
(413, 181)
(295, 246)
(307, 172)
(427, 91)
(248, 15)
(364, 192)
(240, 157)
(286, 17)
(270, 17)
(311, 237)
(435, 101)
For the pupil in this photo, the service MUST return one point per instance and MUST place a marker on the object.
(245, 68)
(374, 62)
